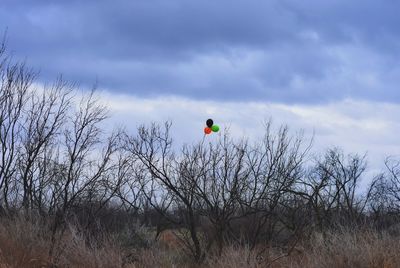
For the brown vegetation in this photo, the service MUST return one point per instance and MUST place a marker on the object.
(24, 243)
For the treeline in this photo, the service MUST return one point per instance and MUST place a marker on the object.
(57, 163)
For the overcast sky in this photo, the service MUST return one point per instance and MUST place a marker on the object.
(326, 66)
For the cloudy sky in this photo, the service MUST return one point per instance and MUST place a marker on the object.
(328, 67)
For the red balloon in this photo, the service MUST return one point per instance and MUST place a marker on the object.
(207, 130)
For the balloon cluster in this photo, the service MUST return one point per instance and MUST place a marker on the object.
(210, 127)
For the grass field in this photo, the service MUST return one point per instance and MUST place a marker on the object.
(26, 243)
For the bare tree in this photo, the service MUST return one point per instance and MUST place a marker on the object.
(219, 183)
(276, 171)
(151, 148)
(385, 198)
(218, 173)
(15, 82)
(333, 183)
(45, 115)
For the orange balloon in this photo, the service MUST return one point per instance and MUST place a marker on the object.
(207, 130)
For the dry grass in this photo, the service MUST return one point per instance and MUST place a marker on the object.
(22, 244)
(27, 243)
(346, 248)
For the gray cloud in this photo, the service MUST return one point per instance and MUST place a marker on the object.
(287, 51)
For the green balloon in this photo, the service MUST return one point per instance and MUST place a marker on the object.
(215, 128)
